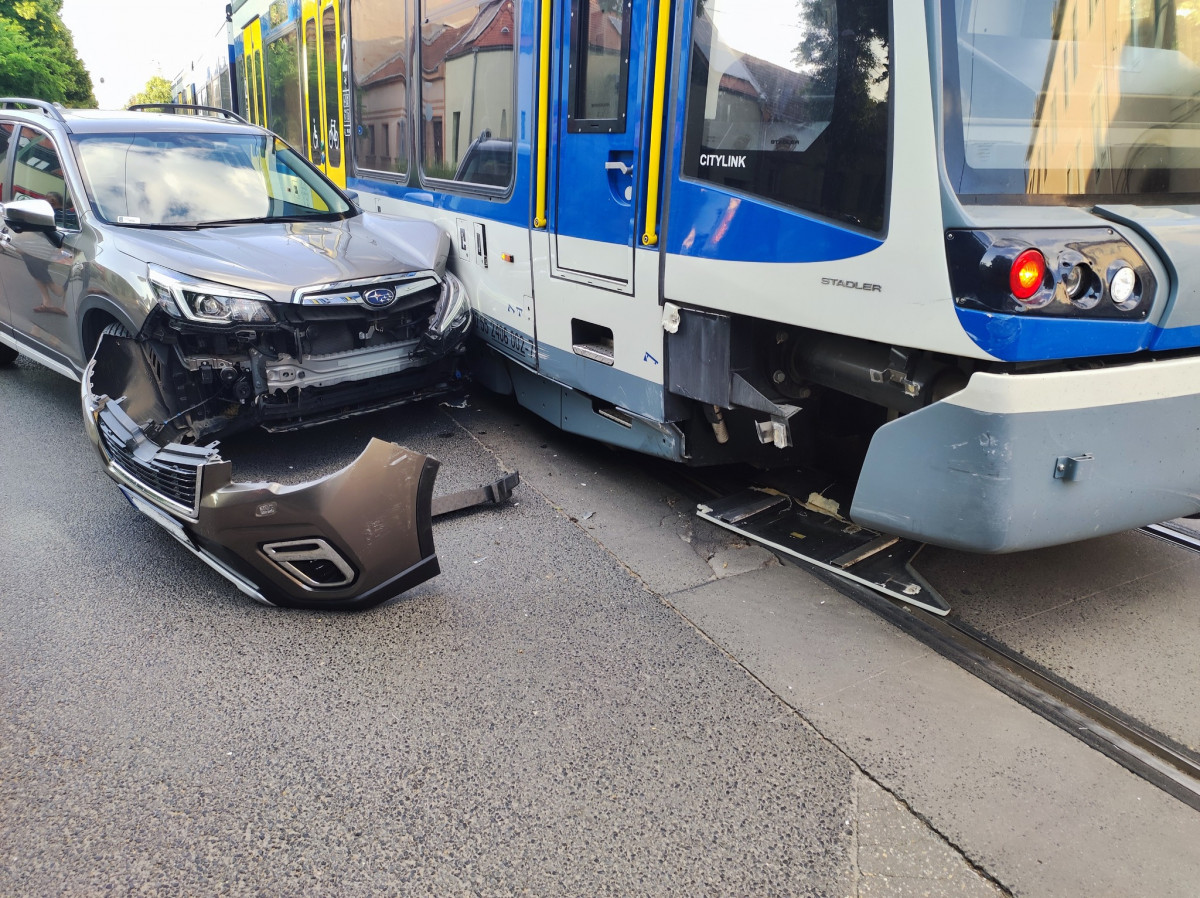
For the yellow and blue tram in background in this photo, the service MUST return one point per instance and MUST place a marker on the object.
(948, 249)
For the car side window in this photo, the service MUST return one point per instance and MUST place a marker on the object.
(6, 133)
(38, 174)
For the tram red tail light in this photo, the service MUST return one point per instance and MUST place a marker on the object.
(1027, 274)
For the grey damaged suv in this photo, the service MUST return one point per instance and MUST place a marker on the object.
(198, 276)
(257, 290)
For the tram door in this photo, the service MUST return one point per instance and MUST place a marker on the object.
(256, 95)
(598, 184)
(323, 96)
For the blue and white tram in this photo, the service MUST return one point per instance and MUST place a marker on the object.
(948, 248)
(208, 78)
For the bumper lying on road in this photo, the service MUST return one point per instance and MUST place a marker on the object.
(353, 539)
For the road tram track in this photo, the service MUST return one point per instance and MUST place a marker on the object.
(1141, 749)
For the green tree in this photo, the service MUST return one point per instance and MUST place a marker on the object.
(157, 90)
(38, 56)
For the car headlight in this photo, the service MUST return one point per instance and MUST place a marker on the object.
(452, 307)
(197, 300)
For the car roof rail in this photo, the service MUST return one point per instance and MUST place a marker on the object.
(54, 110)
(187, 107)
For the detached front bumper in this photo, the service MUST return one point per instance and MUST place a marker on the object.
(353, 539)
(1021, 461)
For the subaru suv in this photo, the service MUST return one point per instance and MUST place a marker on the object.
(256, 291)
(198, 276)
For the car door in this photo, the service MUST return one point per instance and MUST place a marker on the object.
(6, 132)
(41, 308)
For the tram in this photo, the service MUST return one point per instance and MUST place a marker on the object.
(946, 250)
(207, 80)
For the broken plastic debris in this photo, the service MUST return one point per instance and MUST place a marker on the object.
(462, 403)
(817, 502)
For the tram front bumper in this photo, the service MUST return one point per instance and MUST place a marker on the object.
(1021, 461)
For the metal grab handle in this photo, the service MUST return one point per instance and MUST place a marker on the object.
(619, 166)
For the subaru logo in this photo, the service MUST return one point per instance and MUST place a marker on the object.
(380, 296)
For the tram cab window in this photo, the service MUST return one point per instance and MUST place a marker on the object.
(380, 86)
(792, 106)
(1064, 99)
(468, 82)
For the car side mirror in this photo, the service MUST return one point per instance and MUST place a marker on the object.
(352, 196)
(33, 215)
(30, 215)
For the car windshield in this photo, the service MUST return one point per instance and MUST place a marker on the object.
(1085, 98)
(190, 179)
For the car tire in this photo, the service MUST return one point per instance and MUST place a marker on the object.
(8, 355)
(116, 329)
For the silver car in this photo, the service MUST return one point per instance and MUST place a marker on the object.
(255, 289)
(198, 276)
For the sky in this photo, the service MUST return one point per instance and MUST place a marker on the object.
(124, 43)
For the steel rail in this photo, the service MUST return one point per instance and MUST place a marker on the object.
(1173, 533)
(1148, 754)
(1137, 747)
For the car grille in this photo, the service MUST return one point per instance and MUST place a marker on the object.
(404, 288)
(172, 472)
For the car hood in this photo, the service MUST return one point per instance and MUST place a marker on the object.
(277, 258)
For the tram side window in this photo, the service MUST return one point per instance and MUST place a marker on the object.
(258, 88)
(792, 110)
(381, 84)
(468, 72)
(241, 79)
(333, 79)
(285, 105)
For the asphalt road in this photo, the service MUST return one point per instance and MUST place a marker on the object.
(536, 720)
(600, 694)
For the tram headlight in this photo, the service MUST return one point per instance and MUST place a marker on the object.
(199, 300)
(1122, 287)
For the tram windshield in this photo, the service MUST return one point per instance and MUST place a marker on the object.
(197, 180)
(1082, 98)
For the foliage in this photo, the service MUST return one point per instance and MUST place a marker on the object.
(38, 57)
(157, 90)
